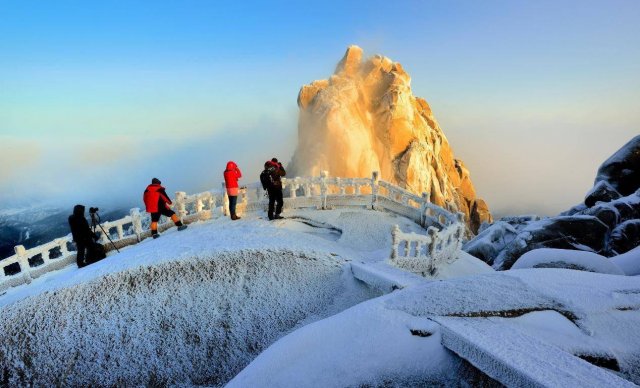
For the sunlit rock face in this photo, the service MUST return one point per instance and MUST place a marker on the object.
(365, 118)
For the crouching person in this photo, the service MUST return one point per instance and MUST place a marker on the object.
(157, 203)
(88, 250)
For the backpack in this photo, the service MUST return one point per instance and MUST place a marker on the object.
(95, 252)
(265, 179)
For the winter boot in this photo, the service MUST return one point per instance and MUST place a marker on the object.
(278, 217)
(154, 233)
(182, 227)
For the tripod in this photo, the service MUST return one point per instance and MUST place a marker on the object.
(95, 221)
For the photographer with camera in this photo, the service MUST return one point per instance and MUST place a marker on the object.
(89, 251)
(157, 203)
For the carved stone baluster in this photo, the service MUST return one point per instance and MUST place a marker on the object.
(432, 233)
(23, 261)
(374, 189)
(225, 200)
(394, 241)
(199, 203)
(62, 243)
(120, 231)
(294, 187)
(136, 221)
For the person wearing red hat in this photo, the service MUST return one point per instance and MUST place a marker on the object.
(271, 181)
(231, 176)
(157, 203)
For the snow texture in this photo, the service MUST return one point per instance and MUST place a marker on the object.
(192, 307)
(518, 323)
(629, 262)
(275, 304)
(564, 258)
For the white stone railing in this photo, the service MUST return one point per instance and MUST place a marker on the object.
(425, 255)
(321, 192)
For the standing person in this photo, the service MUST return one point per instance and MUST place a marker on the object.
(82, 235)
(231, 176)
(157, 203)
(271, 181)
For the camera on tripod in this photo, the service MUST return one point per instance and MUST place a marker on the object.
(93, 210)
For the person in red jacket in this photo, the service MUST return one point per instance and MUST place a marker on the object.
(157, 203)
(231, 176)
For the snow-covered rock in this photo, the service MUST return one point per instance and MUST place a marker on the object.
(606, 223)
(622, 169)
(365, 118)
(491, 241)
(570, 259)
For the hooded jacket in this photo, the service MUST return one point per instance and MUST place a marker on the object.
(231, 176)
(155, 197)
(80, 227)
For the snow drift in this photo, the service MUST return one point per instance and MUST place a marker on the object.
(199, 320)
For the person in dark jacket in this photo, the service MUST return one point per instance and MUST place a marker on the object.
(271, 178)
(157, 203)
(231, 176)
(82, 235)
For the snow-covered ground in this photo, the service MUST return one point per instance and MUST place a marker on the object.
(280, 304)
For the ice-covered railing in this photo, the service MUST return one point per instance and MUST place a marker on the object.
(322, 192)
(425, 255)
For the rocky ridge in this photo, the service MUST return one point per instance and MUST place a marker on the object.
(365, 118)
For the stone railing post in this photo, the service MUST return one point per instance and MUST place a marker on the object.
(394, 241)
(323, 188)
(23, 260)
(62, 243)
(432, 233)
(225, 200)
(375, 177)
(199, 204)
(423, 209)
(120, 231)
(136, 221)
(181, 205)
(294, 187)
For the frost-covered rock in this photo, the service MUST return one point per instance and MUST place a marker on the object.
(569, 259)
(602, 191)
(608, 222)
(625, 236)
(570, 232)
(365, 118)
(622, 169)
(491, 241)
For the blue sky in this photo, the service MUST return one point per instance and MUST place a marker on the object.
(533, 96)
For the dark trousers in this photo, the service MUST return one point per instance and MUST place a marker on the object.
(233, 200)
(275, 200)
(81, 252)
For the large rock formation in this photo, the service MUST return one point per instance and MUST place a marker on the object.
(365, 118)
(607, 222)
